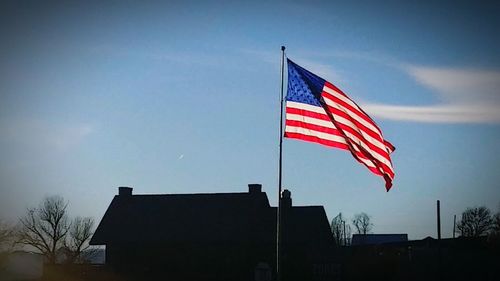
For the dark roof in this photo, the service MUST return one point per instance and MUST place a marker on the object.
(461, 242)
(375, 239)
(222, 217)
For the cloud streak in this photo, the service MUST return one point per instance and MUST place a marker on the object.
(446, 113)
(467, 96)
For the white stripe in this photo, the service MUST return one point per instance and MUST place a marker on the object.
(305, 106)
(349, 123)
(340, 96)
(325, 136)
(371, 164)
(363, 158)
(373, 153)
(353, 114)
(310, 120)
(352, 125)
(321, 110)
(313, 133)
(389, 149)
(329, 124)
(367, 137)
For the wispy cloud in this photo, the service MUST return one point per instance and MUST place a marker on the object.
(447, 113)
(460, 85)
(466, 96)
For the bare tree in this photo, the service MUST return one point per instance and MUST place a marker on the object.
(48, 229)
(496, 224)
(340, 230)
(336, 227)
(45, 228)
(78, 238)
(495, 228)
(362, 223)
(475, 222)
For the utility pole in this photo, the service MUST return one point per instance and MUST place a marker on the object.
(438, 220)
(345, 240)
(454, 224)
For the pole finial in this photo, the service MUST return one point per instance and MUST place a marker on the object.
(282, 48)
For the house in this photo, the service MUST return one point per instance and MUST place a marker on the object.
(375, 239)
(219, 236)
(463, 258)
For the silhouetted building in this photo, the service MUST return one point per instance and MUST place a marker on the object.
(427, 259)
(374, 239)
(221, 236)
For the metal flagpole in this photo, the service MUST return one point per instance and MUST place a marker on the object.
(439, 261)
(278, 219)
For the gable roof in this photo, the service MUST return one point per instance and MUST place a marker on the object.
(216, 217)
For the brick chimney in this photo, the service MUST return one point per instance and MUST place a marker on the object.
(124, 191)
(286, 198)
(254, 188)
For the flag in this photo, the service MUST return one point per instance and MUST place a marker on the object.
(317, 111)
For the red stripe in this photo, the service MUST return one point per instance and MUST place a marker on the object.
(386, 168)
(381, 169)
(335, 111)
(333, 87)
(362, 127)
(313, 127)
(302, 112)
(374, 170)
(357, 134)
(354, 110)
(359, 154)
(307, 113)
(389, 146)
(328, 143)
(324, 117)
(366, 155)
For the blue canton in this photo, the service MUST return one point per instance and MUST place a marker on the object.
(303, 86)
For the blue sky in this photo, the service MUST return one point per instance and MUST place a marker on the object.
(183, 97)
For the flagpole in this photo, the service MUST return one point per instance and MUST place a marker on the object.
(278, 219)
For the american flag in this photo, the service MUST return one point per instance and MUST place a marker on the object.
(317, 111)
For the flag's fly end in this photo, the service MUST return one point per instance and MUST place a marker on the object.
(388, 183)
